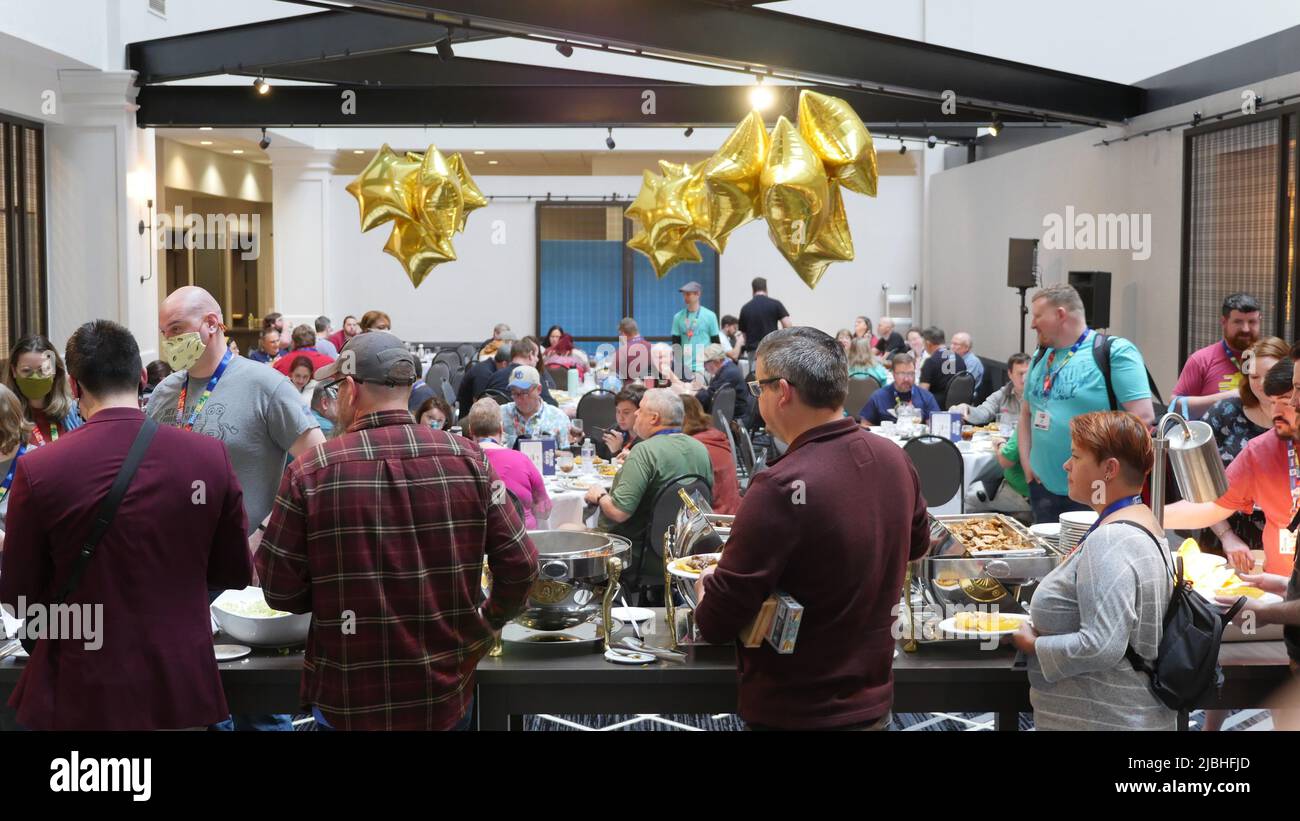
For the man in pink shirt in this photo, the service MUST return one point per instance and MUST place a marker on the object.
(1215, 371)
(1261, 476)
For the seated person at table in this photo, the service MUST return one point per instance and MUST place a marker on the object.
(1110, 594)
(562, 354)
(723, 372)
(304, 344)
(726, 487)
(732, 339)
(632, 359)
(437, 414)
(805, 528)
(1004, 400)
(664, 371)
(523, 479)
(522, 352)
(474, 383)
(621, 439)
(268, 351)
(528, 417)
(863, 362)
(1012, 494)
(941, 366)
(884, 404)
(664, 455)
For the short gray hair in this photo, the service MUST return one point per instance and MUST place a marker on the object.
(1062, 295)
(811, 361)
(484, 418)
(667, 404)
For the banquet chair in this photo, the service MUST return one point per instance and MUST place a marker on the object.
(501, 398)
(720, 422)
(724, 408)
(448, 356)
(860, 391)
(663, 515)
(467, 352)
(438, 373)
(961, 390)
(597, 408)
(560, 375)
(940, 468)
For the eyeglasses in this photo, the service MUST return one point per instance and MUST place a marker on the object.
(756, 386)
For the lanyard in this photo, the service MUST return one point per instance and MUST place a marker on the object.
(690, 324)
(203, 400)
(1051, 375)
(1119, 504)
(1293, 460)
(1232, 357)
(40, 440)
(9, 477)
(665, 430)
(899, 401)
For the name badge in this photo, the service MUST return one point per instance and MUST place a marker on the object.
(1286, 543)
(1042, 420)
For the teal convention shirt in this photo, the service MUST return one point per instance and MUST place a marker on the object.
(1077, 388)
(697, 331)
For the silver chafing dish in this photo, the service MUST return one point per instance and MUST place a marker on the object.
(696, 530)
(578, 572)
(951, 576)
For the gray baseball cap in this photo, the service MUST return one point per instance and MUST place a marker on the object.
(691, 288)
(374, 356)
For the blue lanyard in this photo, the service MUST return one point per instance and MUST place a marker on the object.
(1231, 356)
(1119, 504)
(9, 477)
(1293, 469)
(665, 430)
(1051, 375)
(207, 392)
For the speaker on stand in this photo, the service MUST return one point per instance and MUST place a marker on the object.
(1094, 290)
(1022, 274)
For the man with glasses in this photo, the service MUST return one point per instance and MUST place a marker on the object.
(884, 404)
(806, 529)
(528, 417)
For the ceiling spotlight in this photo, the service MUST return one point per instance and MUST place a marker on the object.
(1196, 119)
(760, 96)
(902, 149)
(358, 151)
(931, 141)
(205, 128)
(996, 126)
(237, 151)
(493, 162)
(609, 140)
(479, 153)
(205, 142)
(565, 49)
(262, 86)
(444, 49)
(689, 131)
(265, 142)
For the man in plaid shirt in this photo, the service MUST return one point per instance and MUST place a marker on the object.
(380, 534)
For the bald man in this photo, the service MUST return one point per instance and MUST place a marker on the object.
(254, 410)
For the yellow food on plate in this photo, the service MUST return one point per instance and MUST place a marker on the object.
(986, 622)
(606, 469)
(1241, 590)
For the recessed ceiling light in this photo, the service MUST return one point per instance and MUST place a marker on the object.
(492, 162)
(205, 128)
(480, 153)
(205, 142)
(358, 151)
(237, 151)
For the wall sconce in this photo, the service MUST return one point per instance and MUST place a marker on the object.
(141, 228)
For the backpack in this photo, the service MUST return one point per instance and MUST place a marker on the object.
(1187, 662)
(1101, 345)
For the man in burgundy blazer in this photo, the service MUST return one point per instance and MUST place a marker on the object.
(146, 661)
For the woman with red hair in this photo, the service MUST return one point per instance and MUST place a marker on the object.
(562, 354)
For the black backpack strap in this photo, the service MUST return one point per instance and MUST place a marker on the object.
(1140, 664)
(1101, 355)
(108, 507)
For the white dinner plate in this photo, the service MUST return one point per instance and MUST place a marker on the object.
(230, 652)
(584, 483)
(636, 614)
(629, 657)
(1267, 598)
(675, 568)
(949, 626)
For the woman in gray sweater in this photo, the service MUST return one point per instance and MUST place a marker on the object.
(1110, 593)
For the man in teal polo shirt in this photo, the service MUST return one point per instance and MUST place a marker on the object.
(694, 327)
(1064, 382)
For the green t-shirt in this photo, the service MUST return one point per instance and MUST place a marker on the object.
(1014, 475)
(651, 465)
(696, 331)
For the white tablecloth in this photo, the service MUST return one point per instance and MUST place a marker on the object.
(975, 459)
(566, 507)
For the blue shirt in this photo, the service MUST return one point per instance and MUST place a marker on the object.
(880, 407)
(261, 356)
(1077, 388)
(549, 421)
(696, 331)
(974, 367)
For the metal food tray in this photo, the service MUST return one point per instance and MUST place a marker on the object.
(944, 544)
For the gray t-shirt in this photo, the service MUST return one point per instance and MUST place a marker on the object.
(326, 347)
(256, 411)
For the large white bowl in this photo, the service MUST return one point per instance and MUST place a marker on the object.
(263, 631)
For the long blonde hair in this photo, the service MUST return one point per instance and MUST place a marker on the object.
(58, 403)
(14, 427)
(862, 354)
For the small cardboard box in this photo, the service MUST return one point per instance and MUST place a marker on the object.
(784, 631)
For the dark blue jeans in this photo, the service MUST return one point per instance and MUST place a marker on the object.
(1047, 507)
(466, 722)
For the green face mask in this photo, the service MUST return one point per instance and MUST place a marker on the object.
(183, 350)
(35, 387)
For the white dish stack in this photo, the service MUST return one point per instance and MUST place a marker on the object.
(1074, 525)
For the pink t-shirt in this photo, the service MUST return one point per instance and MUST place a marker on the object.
(1209, 371)
(523, 480)
(1260, 477)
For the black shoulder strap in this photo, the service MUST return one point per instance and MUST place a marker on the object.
(1101, 354)
(108, 507)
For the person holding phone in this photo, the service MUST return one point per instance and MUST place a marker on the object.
(620, 440)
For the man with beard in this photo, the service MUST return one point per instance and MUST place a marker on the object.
(1215, 371)
(1261, 476)
(381, 534)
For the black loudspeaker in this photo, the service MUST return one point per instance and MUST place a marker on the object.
(1094, 289)
(1022, 257)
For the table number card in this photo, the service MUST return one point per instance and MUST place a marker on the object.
(946, 425)
(542, 452)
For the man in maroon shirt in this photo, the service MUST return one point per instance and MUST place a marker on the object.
(180, 530)
(806, 528)
(380, 534)
(1215, 371)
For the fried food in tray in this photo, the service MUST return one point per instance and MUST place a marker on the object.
(990, 536)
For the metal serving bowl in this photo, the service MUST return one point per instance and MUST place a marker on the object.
(573, 574)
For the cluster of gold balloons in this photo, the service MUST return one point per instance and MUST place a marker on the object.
(791, 177)
(426, 196)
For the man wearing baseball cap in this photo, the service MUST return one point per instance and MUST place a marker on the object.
(380, 533)
(723, 372)
(528, 417)
(694, 327)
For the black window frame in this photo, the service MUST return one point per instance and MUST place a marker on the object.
(28, 309)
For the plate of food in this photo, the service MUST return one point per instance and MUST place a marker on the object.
(583, 482)
(690, 567)
(991, 537)
(981, 625)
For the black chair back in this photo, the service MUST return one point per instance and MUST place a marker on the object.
(468, 352)
(596, 408)
(457, 374)
(438, 373)
(560, 375)
(449, 393)
(860, 391)
(501, 398)
(940, 469)
(961, 390)
(724, 407)
(663, 515)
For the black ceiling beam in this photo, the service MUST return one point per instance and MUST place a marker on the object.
(416, 69)
(310, 37)
(769, 40)
(503, 106)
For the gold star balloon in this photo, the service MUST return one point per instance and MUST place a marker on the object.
(436, 192)
(379, 192)
(833, 243)
(419, 250)
(667, 229)
(730, 180)
(794, 189)
(837, 134)
(472, 198)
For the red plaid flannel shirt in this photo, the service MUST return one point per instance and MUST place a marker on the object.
(380, 534)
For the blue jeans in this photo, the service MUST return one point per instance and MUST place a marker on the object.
(466, 722)
(1047, 507)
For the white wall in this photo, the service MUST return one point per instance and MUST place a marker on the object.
(497, 283)
(976, 208)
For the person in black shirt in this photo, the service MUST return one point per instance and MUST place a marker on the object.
(475, 380)
(723, 372)
(890, 341)
(760, 316)
(939, 370)
(523, 352)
